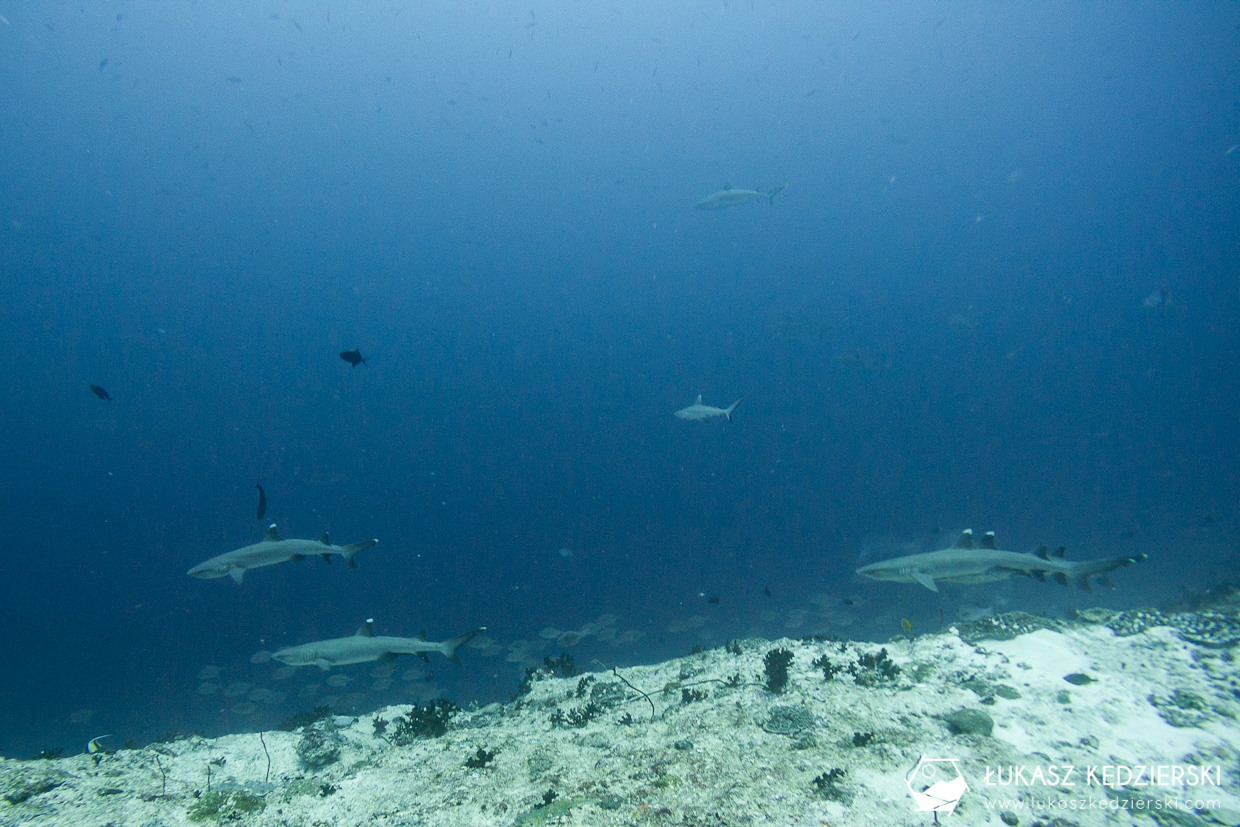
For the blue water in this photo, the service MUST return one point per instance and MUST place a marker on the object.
(201, 204)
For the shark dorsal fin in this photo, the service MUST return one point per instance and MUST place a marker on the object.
(1059, 552)
(699, 400)
(988, 540)
(324, 539)
(1043, 552)
(367, 629)
(727, 185)
(272, 536)
(966, 539)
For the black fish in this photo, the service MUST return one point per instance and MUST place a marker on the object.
(100, 392)
(262, 502)
(353, 357)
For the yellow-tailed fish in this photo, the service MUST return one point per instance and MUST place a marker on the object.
(908, 626)
(94, 746)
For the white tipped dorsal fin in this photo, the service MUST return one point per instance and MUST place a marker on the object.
(988, 540)
(966, 539)
(367, 629)
(272, 535)
(699, 400)
(324, 540)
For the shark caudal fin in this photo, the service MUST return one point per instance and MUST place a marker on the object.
(1081, 573)
(728, 410)
(351, 550)
(770, 196)
(449, 647)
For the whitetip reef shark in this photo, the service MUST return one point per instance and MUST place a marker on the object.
(697, 412)
(271, 550)
(729, 196)
(964, 562)
(366, 646)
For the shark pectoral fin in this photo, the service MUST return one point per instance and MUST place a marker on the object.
(388, 657)
(236, 573)
(924, 579)
(1060, 578)
(350, 562)
(323, 663)
(327, 557)
(297, 558)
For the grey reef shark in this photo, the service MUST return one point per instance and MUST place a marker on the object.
(965, 562)
(729, 196)
(271, 550)
(366, 646)
(697, 412)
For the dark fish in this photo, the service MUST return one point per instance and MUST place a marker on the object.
(353, 357)
(101, 393)
(262, 502)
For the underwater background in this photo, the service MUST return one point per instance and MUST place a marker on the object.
(999, 291)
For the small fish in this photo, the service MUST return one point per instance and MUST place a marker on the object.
(261, 511)
(93, 746)
(101, 393)
(1230, 149)
(353, 357)
(906, 624)
(103, 64)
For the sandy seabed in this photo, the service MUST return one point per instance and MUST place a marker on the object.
(1062, 723)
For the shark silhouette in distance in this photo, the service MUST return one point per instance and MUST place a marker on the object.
(365, 645)
(965, 562)
(729, 196)
(697, 412)
(272, 550)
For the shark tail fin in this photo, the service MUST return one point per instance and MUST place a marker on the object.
(728, 410)
(1082, 572)
(351, 550)
(770, 196)
(449, 647)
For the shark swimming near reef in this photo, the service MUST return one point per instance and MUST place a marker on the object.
(271, 550)
(965, 562)
(365, 646)
(729, 196)
(698, 412)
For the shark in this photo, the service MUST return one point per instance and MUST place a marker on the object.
(271, 550)
(365, 645)
(965, 562)
(729, 196)
(698, 412)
